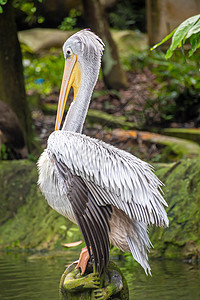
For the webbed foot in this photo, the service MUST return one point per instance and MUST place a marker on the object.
(83, 260)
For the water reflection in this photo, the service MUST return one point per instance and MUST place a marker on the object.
(22, 278)
(170, 280)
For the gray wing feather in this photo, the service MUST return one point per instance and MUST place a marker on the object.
(92, 220)
(120, 178)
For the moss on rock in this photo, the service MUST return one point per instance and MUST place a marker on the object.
(26, 220)
(182, 192)
(111, 285)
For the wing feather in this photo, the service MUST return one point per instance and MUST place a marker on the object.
(118, 177)
(91, 218)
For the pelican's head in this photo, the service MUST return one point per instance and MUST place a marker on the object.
(82, 53)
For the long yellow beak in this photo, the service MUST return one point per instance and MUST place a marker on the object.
(71, 78)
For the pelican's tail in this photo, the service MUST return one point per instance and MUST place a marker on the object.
(139, 243)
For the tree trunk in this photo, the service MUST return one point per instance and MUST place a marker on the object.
(113, 75)
(12, 90)
(11, 134)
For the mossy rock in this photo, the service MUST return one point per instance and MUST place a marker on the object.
(111, 285)
(182, 193)
(40, 39)
(26, 220)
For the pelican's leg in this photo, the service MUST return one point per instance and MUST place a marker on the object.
(83, 260)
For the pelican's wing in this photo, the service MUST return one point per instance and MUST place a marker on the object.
(93, 219)
(115, 176)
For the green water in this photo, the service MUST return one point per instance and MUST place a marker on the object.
(27, 279)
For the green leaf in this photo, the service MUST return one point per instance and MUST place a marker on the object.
(169, 53)
(180, 34)
(40, 19)
(195, 43)
(63, 227)
(3, 2)
(164, 40)
(194, 29)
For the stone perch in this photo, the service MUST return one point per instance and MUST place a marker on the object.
(112, 285)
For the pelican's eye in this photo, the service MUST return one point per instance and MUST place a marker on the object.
(68, 52)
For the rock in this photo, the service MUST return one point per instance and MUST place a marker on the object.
(182, 193)
(112, 285)
(38, 39)
(26, 220)
(11, 133)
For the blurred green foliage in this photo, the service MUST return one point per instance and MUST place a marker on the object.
(2, 3)
(27, 7)
(70, 22)
(3, 152)
(177, 95)
(180, 92)
(127, 14)
(43, 74)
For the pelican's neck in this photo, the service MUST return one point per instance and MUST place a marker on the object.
(78, 109)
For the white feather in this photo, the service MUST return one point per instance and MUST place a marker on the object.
(122, 176)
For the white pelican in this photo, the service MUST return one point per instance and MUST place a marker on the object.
(112, 195)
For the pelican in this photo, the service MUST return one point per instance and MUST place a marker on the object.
(112, 195)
